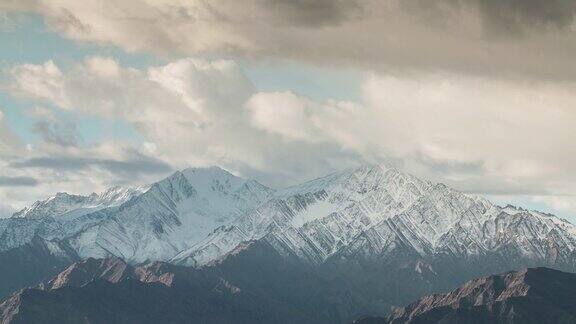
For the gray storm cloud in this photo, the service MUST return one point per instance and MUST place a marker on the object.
(526, 38)
(518, 16)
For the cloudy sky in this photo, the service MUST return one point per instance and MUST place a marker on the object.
(478, 94)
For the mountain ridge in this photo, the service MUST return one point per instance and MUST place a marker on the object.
(389, 237)
(244, 210)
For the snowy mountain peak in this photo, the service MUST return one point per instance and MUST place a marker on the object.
(64, 204)
(213, 171)
(341, 205)
(375, 208)
(212, 183)
(198, 215)
(174, 214)
(213, 178)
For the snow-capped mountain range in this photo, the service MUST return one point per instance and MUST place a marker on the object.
(67, 206)
(198, 216)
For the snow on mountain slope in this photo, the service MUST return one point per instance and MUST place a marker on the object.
(167, 217)
(374, 210)
(313, 219)
(67, 206)
(61, 215)
(172, 215)
(197, 216)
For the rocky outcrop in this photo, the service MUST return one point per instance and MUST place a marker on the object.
(536, 295)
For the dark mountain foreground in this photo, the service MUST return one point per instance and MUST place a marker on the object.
(110, 291)
(535, 295)
(29, 264)
(240, 290)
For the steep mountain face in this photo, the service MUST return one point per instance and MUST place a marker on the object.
(536, 295)
(317, 218)
(155, 224)
(172, 215)
(373, 212)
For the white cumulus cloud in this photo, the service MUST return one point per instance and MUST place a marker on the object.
(480, 135)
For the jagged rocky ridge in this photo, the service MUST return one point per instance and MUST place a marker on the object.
(534, 295)
(389, 236)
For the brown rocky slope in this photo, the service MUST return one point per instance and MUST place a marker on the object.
(534, 295)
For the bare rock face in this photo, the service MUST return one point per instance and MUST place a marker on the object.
(78, 274)
(535, 295)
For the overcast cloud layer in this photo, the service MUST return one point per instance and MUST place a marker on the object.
(475, 93)
(529, 38)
